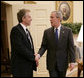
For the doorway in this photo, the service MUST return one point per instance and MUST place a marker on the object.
(4, 38)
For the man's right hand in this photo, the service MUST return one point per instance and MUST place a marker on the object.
(37, 57)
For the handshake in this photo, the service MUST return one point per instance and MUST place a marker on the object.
(37, 57)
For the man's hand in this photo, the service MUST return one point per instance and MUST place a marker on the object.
(72, 65)
(37, 57)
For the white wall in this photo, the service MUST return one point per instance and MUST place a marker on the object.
(77, 8)
(46, 2)
(14, 2)
(51, 3)
(78, 11)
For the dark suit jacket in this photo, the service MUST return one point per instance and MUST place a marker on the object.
(58, 53)
(22, 55)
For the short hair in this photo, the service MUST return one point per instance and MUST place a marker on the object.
(58, 14)
(21, 13)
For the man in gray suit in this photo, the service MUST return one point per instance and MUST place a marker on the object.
(58, 41)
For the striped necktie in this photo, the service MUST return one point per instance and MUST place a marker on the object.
(29, 37)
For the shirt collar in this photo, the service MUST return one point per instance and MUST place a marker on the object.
(58, 27)
(24, 27)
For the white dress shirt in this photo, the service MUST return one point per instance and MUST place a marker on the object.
(58, 30)
(24, 27)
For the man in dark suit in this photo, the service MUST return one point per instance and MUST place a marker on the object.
(22, 50)
(58, 41)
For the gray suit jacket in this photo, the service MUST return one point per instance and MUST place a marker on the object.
(58, 53)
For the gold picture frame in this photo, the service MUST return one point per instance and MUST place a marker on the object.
(29, 2)
(66, 7)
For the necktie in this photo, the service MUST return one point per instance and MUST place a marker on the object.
(28, 36)
(56, 35)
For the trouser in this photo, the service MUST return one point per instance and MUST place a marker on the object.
(28, 75)
(25, 74)
(56, 73)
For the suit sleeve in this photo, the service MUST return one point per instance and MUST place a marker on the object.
(18, 46)
(43, 45)
(71, 48)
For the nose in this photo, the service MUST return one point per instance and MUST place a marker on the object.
(31, 19)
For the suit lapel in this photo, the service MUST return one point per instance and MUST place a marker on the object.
(25, 36)
(31, 39)
(53, 35)
(61, 33)
(23, 33)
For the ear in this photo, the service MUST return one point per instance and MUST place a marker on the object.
(23, 18)
(58, 19)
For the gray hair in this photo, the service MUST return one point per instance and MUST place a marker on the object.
(21, 13)
(58, 14)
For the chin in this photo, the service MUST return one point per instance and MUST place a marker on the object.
(29, 24)
(52, 25)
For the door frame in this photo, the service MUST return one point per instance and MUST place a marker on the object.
(9, 22)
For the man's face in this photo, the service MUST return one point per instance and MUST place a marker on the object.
(27, 19)
(53, 20)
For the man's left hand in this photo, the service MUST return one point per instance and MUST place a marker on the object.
(72, 65)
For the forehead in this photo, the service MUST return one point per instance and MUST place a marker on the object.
(53, 14)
